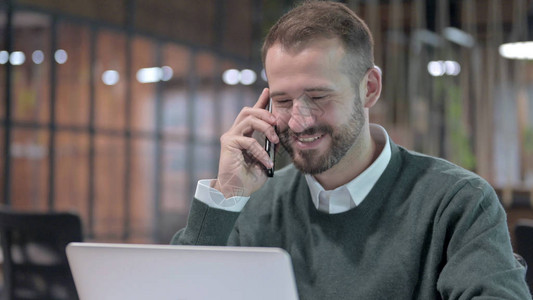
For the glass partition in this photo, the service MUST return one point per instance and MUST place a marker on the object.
(175, 92)
(73, 89)
(142, 190)
(230, 98)
(4, 58)
(204, 97)
(30, 60)
(2, 163)
(175, 181)
(71, 182)
(110, 99)
(29, 169)
(145, 75)
(3, 61)
(109, 211)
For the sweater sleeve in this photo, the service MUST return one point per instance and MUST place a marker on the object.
(479, 261)
(206, 226)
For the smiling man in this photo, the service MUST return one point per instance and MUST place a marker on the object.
(361, 217)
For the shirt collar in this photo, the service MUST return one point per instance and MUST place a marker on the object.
(354, 192)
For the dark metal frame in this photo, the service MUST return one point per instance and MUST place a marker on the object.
(8, 40)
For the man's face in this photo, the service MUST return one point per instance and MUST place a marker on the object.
(319, 110)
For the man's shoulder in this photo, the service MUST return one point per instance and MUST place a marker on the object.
(437, 171)
(437, 186)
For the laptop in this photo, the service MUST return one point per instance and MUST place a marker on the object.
(133, 271)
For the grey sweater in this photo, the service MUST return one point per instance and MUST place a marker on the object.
(427, 230)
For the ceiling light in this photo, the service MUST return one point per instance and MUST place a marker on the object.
(231, 76)
(38, 57)
(17, 58)
(61, 56)
(459, 37)
(110, 77)
(248, 77)
(519, 50)
(441, 68)
(4, 57)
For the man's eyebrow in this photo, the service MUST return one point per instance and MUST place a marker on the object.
(277, 94)
(319, 89)
(307, 90)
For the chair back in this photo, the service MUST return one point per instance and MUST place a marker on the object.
(523, 233)
(35, 263)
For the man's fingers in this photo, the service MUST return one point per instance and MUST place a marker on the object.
(251, 124)
(254, 150)
(263, 99)
(258, 110)
(261, 114)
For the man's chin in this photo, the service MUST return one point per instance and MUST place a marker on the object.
(308, 161)
(310, 164)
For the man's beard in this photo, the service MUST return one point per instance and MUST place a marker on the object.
(342, 140)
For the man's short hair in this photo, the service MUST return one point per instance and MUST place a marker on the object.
(322, 19)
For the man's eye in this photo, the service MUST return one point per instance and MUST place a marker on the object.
(318, 97)
(283, 101)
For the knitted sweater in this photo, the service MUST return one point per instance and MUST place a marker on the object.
(427, 230)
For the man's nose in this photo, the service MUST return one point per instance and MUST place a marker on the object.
(302, 116)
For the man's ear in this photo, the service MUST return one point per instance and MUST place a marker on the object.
(371, 87)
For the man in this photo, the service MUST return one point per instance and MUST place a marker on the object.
(361, 217)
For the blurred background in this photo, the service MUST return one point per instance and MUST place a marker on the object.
(113, 109)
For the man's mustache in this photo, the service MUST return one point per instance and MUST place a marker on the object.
(323, 129)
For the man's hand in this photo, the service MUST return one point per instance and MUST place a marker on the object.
(241, 169)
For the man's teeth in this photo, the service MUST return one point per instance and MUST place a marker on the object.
(308, 140)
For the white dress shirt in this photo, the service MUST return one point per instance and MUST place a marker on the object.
(334, 201)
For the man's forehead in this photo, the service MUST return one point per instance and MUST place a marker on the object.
(324, 52)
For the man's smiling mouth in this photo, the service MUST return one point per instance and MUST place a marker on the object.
(308, 139)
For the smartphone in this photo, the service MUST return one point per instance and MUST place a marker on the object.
(269, 146)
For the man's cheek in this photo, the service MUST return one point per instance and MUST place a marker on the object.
(282, 122)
